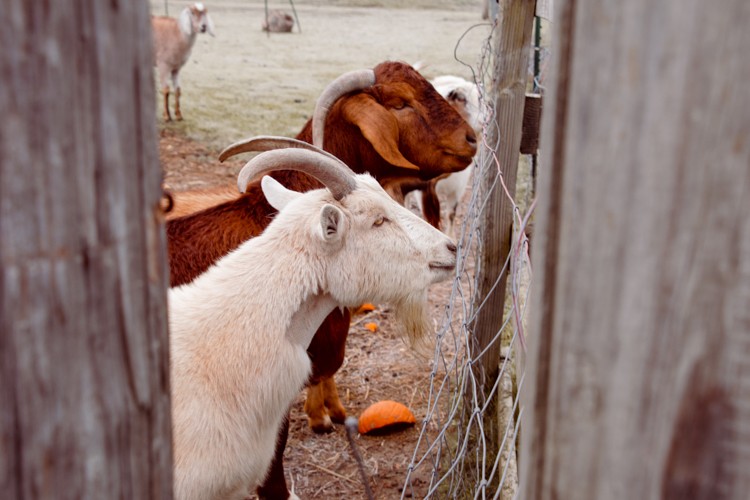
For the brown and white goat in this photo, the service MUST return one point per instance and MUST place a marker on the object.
(239, 332)
(173, 41)
(394, 126)
(438, 202)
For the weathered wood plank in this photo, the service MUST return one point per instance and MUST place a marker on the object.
(498, 171)
(642, 258)
(515, 20)
(83, 334)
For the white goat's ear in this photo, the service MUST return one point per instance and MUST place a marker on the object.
(331, 223)
(186, 21)
(276, 194)
(209, 25)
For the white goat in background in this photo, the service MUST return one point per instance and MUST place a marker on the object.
(278, 22)
(173, 41)
(463, 95)
(239, 332)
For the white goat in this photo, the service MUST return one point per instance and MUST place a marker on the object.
(240, 331)
(173, 41)
(278, 22)
(463, 95)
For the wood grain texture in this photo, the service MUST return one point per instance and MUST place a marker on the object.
(639, 370)
(498, 172)
(499, 159)
(83, 332)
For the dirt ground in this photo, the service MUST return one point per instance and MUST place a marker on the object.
(243, 83)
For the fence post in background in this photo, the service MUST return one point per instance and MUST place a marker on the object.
(84, 387)
(498, 169)
(638, 375)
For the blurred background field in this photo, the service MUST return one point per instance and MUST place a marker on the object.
(245, 82)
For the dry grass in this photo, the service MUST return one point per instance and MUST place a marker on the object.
(244, 82)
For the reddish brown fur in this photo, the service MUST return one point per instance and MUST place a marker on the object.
(431, 204)
(189, 202)
(438, 141)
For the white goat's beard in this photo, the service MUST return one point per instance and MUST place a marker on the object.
(413, 315)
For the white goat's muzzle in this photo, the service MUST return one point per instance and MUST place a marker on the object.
(444, 266)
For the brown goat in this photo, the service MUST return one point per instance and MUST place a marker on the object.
(173, 40)
(399, 128)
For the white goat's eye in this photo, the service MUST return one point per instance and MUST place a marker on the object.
(379, 221)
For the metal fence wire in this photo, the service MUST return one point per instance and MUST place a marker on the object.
(463, 460)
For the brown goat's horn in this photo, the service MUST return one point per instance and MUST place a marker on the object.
(354, 80)
(333, 173)
(267, 143)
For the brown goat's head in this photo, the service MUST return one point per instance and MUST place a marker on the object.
(424, 118)
(411, 131)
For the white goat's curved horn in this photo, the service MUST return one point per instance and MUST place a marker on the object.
(353, 80)
(267, 143)
(333, 173)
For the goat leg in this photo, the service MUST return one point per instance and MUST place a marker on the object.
(274, 487)
(177, 112)
(331, 397)
(431, 205)
(165, 93)
(326, 351)
(317, 415)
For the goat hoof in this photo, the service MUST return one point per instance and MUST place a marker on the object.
(178, 118)
(322, 426)
(338, 415)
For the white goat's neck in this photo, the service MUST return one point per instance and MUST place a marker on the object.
(284, 294)
(189, 38)
(306, 320)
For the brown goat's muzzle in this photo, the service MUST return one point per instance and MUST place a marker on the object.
(470, 142)
(459, 150)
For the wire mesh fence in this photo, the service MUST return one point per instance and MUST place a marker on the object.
(468, 436)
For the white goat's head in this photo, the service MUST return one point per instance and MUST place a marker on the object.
(195, 19)
(463, 96)
(370, 248)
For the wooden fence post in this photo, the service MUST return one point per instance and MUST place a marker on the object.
(83, 332)
(638, 378)
(509, 85)
(515, 19)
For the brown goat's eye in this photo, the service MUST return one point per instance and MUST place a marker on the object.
(379, 221)
(398, 104)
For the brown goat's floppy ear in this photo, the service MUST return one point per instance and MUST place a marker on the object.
(378, 126)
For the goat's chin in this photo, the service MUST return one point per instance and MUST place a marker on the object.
(413, 315)
(455, 162)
